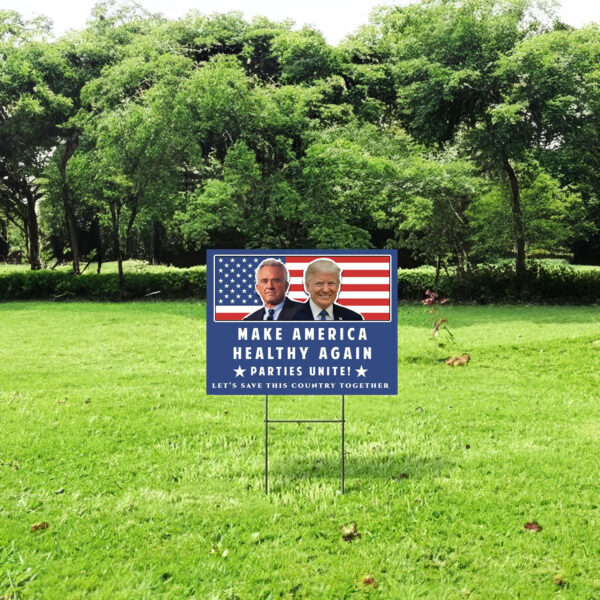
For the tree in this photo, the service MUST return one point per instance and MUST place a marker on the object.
(445, 60)
(30, 116)
(240, 142)
(344, 190)
(431, 218)
(553, 215)
(304, 56)
(133, 158)
(551, 108)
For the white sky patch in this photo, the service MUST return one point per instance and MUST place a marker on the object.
(334, 18)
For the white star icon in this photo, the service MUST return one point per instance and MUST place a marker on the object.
(361, 372)
(239, 372)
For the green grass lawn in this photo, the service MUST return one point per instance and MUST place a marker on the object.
(152, 489)
(129, 266)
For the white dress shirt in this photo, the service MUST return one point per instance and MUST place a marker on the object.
(277, 311)
(316, 311)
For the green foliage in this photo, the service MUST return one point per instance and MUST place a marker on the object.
(443, 55)
(345, 189)
(554, 90)
(145, 137)
(554, 216)
(543, 283)
(61, 285)
(35, 83)
(431, 220)
(304, 56)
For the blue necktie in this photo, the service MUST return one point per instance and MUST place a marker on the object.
(323, 315)
(270, 315)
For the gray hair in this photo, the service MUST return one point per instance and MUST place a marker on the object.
(272, 262)
(323, 265)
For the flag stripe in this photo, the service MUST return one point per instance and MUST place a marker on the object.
(365, 302)
(338, 259)
(385, 267)
(352, 301)
(301, 296)
(351, 287)
(346, 273)
(349, 281)
(227, 316)
(240, 315)
(358, 303)
(361, 308)
(376, 317)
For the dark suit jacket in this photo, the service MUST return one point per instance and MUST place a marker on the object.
(286, 314)
(340, 313)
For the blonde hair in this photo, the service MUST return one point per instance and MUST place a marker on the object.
(322, 265)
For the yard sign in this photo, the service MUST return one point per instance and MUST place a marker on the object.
(302, 356)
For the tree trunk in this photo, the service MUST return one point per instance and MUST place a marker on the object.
(25, 230)
(70, 147)
(100, 256)
(517, 218)
(97, 231)
(115, 213)
(157, 256)
(34, 234)
(131, 221)
(461, 256)
(4, 245)
(438, 266)
(70, 217)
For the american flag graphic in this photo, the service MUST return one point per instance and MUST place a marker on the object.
(365, 283)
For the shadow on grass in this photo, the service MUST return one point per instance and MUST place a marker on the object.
(393, 467)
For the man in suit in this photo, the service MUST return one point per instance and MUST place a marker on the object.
(272, 284)
(322, 281)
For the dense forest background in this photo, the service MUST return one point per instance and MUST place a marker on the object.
(459, 132)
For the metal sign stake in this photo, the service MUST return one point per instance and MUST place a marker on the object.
(342, 422)
(266, 444)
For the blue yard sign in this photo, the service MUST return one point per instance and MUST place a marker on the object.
(301, 322)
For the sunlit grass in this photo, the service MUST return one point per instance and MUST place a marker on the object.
(152, 489)
(107, 267)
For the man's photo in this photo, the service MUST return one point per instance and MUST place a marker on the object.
(272, 285)
(322, 283)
